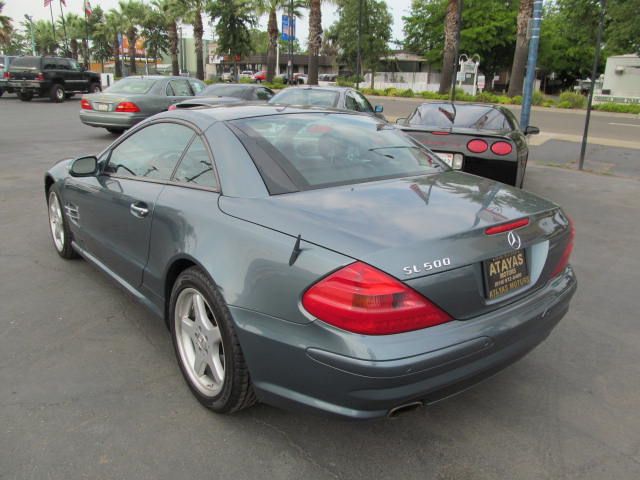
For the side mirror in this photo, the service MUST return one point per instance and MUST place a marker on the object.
(401, 120)
(378, 109)
(531, 130)
(84, 167)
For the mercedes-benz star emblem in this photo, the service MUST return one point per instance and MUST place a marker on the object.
(514, 240)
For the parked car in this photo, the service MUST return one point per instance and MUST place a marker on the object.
(482, 139)
(246, 74)
(328, 77)
(133, 99)
(56, 77)
(5, 62)
(315, 258)
(227, 93)
(344, 98)
(260, 76)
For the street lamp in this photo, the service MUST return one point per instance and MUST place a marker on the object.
(33, 41)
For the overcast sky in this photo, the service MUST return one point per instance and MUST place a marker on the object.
(17, 8)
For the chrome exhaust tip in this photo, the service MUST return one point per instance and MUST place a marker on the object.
(407, 407)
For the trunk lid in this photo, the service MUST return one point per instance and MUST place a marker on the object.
(400, 225)
(107, 102)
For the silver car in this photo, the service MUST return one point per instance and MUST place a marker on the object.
(133, 99)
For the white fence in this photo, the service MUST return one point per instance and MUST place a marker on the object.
(416, 81)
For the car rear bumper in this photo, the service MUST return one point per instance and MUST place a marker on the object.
(111, 119)
(32, 86)
(320, 368)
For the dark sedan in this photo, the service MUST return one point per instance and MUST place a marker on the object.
(315, 258)
(220, 93)
(132, 99)
(344, 98)
(482, 139)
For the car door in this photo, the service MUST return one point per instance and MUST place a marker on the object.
(74, 77)
(114, 210)
(178, 90)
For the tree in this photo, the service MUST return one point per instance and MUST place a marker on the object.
(374, 37)
(75, 31)
(133, 13)
(46, 43)
(623, 30)
(451, 47)
(235, 18)
(154, 31)
(516, 80)
(102, 49)
(315, 39)
(193, 10)
(6, 27)
(172, 12)
(113, 25)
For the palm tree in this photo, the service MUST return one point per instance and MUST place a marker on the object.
(172, 12)
(315, 39)
(102, 43)
(113, 25)
(194, 10)
(270, 7)
(132, 12)
(451, 29)
(154, 31)
(5, 27)
(75, 31)
(46, 43)
(522, 49)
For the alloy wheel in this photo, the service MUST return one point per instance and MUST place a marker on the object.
(56, 221)
(199, 341)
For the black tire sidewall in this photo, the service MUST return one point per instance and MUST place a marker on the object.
(53, 93)
(25, 97)
(195, 278)
(94, 88)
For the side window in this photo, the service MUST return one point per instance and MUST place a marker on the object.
(151, 152)
(263, 94)
(63, 64)
(350, 102)
(196, 167)
(196, 86)
(49, 64)
(363, 103)
(73, 65)
(180, 88)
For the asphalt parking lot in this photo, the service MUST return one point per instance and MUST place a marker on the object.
(91, 389)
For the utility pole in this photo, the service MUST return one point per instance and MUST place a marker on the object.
(359, 54)
(532, 60)
(290, 66)
(455, 57)
(64, 28)
(594, 72)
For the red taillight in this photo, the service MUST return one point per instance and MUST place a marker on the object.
(477, 146)
(85, 105)
(564, 259)
(128, 107)
(501, 148)
(440, 133)
(361, 299)
(6, 75)
(172, 107)
(505, 227)
(40, 77)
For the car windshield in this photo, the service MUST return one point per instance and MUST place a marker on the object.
(132, 85)
(307, 96)
(223, 91)
(446, 115)
(319, 149)
(26, 62)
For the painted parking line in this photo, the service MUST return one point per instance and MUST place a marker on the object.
(625, 124)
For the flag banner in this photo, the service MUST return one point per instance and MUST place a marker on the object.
(63, 2)
(47, 3)
(288, 28)
(87, 8)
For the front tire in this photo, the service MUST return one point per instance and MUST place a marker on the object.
(25, 96)
(94, 88)
(57, 93)
(60, 233)
(206, 345)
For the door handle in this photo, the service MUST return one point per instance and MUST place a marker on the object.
(139, 209)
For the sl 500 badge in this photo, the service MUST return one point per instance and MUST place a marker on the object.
(427, 266)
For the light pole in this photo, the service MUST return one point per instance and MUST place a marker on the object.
(455, 57)
(532, 59)
(33, 38)
(359, 54)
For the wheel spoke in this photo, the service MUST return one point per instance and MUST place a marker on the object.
(199, 362)
(200, 311)
(217, 370)
(188, 326)
(213, 335)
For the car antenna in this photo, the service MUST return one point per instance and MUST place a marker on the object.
(296, 251)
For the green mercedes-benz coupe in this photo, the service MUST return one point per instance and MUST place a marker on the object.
(315, 258)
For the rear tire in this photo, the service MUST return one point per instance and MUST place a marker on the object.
(94, 88)
(57, 93)
(1, 92)
(25, 96)
(115, 131)
(206, 344)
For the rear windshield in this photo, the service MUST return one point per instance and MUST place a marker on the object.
(445, 115)
(132, 85)
(307, 96)
(26, 62)
(319, 149)
(224, 91)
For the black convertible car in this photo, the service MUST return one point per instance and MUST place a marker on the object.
(482, 139)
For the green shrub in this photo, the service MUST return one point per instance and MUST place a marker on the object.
(575, 100)
(504, 100)
(548, 103)
(537, 98)
(367, 91)
(391, 92)
(618, 107)
(564, 104)
(432, 95)
(408, 93)
(486, 97)
(517, 100)
(209, 81)
(245, 80)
